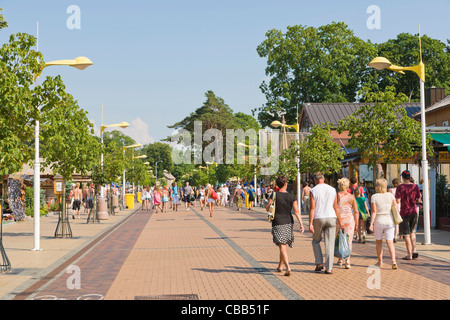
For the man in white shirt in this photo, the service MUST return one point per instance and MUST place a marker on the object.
(323, 213)
(225, 195)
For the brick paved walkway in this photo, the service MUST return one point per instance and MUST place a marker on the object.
(231, 256)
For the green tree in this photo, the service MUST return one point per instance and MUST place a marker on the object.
(307, 64)
(213, 114)
(117, 138)
(404, 51)
(318, 152)
(68, 142)
(3, 23)
(159, 151)
(20, 103)
(381, 128)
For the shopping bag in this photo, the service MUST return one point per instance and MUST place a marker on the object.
(341, 246)
(397, 218)
(368, 226)
(364, 215)
(271, 214)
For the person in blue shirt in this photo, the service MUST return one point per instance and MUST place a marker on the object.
(251, 196)
(175, 196)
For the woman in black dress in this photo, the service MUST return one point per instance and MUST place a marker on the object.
(283, 223)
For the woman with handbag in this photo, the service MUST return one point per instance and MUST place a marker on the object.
(283, 222)
(382, 220)
(348, 208)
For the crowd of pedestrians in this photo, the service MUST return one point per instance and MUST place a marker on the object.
(164, 198)
(349, 208)
(353, 211)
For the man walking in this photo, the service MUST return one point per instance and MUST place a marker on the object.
(323, 213)
(187, 195)
(408, 194)
(77, 197)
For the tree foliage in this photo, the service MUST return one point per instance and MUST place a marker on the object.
(308, 64)
(68, 142)
(318, 152)
(404, 51)
(381, 128)
(19, 101)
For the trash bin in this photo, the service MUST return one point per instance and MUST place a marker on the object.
(129, 198)
(115, 201)
(139, 195)
(102, 209)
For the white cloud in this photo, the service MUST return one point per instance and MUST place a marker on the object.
(138, 130)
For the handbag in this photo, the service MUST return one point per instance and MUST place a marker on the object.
(271, 214)
(214, 195)
(341, 246)
(396, 215)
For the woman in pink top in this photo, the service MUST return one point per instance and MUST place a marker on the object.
(349, 214)
(157, 199)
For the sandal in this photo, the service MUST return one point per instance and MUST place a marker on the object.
(394, 265)
(288, 273)
(319, 268)
(407, 258)
(415, 255)
(328, 272)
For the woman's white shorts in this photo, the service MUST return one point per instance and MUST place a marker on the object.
(387, 230)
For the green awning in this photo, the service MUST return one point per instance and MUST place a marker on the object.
(443, 138)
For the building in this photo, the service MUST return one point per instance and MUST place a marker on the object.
(352, 165)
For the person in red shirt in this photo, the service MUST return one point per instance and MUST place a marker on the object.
(407, 195)
(354, 185)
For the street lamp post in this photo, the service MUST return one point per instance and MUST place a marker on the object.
(138, 157)
(137, 145)
(122, 125)
(79, 63)
(380, 63)
(277, 124)
(256, 197)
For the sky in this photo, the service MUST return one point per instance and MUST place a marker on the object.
(155, 60)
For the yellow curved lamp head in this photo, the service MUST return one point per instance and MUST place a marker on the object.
(276, 124)
(380, 63)
(122, 125)
(80, 63)
(137, 145)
